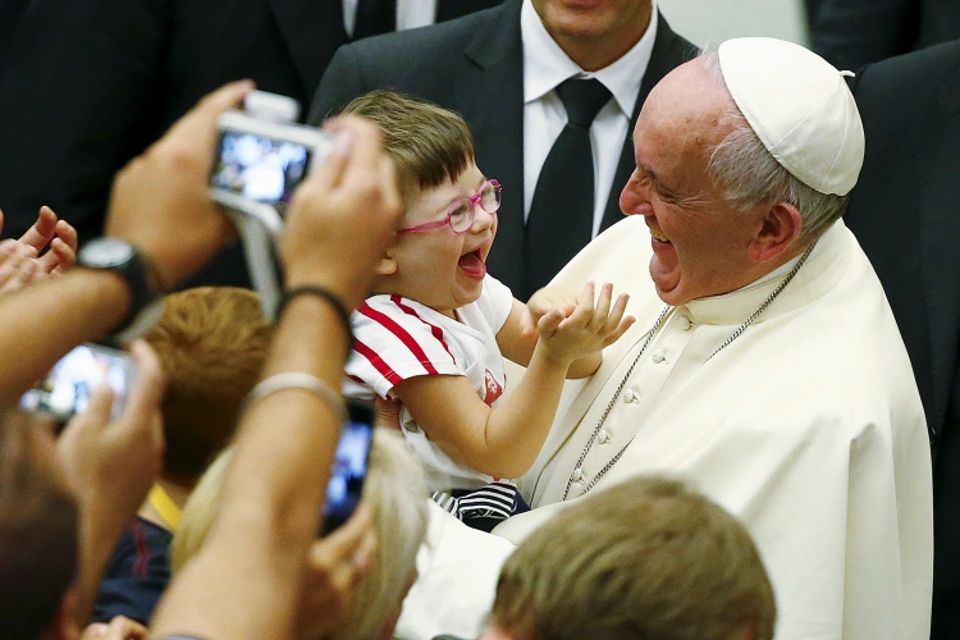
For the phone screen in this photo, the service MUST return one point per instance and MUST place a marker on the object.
(66, 389)
(349, 465)
(259, 167)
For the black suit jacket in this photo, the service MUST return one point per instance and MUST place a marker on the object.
(474, 65)
(905, 214)
(852, 33)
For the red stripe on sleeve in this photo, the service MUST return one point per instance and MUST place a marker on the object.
(382, 367)
(434, 329)
(408, 341)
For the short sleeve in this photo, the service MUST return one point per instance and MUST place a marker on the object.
(495, 302)
(393, 343)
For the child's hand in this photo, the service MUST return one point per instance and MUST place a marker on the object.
(542, 302)
(567, 337)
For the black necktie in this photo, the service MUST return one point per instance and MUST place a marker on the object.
(561, 214)
(374, 17)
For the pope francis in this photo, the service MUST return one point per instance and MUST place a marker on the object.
(765, 365)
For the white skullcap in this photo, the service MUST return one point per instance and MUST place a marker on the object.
(799, 106)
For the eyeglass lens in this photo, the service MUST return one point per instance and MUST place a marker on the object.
(461, 218)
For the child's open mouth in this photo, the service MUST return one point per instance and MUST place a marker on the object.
(472, 265)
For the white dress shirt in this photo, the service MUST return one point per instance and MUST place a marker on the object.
(410, 13)
(545, 66)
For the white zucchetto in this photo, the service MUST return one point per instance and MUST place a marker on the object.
(799, 106)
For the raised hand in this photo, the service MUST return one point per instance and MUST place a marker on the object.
(20, 265)
(591, 326)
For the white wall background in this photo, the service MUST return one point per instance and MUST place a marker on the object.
(713, 21)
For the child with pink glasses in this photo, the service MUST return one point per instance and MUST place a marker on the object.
(434, 333)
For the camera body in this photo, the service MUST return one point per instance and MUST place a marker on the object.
(349, 465)
(262, 156)
(65, 390)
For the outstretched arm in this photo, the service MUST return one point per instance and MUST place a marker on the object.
(504, 442)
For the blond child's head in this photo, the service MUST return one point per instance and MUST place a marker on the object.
(394, 491)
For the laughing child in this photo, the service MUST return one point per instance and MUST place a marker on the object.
(434, 333)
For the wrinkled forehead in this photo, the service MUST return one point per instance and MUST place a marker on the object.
(683, 119)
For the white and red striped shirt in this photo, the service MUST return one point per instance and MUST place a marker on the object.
(396, 338)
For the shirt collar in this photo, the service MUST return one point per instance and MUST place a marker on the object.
(545, 65)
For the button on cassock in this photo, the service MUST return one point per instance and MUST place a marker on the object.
(603, 437)
(577, 475)
(630, 396)
(659, 356)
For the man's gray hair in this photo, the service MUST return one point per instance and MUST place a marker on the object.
(748, 173)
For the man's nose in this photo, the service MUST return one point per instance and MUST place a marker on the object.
(634, 199)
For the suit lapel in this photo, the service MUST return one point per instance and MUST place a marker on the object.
(939, 265)
(669, 52)
(489, 95)
(312, 29)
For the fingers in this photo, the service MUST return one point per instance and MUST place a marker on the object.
(42, 231)
(148, 389)
(550, 322)
(200, 121)
(584, 311)
(98, 409)
(603, 307)
(122, 628)
(387, 414)
(622, 327)
(528, 324)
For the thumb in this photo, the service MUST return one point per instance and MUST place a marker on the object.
(528, 324)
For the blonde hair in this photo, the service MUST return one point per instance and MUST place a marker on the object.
(427, 143)
(212, 343)
(395, 492)
(647, 558)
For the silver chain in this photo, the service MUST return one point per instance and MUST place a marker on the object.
(654, 330)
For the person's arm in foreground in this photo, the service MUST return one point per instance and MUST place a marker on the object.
(246, 581)
(155, 198)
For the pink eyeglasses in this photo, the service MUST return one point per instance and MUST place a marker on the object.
(463, 212)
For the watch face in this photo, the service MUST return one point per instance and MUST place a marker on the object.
(106, 253)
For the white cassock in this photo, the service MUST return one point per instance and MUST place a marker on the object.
(808, 427)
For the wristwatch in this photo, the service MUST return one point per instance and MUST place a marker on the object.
(122, 258)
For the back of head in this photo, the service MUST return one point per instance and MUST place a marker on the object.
(212, 343)
(645, 559)
(395, 492)
(427, 143)
(38, 532)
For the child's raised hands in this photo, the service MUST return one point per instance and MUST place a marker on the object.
(571, 331)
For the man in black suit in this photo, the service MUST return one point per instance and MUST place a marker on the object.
(904, 213)
(88, 85)
(476, 64)
(852, 33)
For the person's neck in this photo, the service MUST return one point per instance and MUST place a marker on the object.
(178, 491)
(595, 54)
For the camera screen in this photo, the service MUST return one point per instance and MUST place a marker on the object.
(259, 167)
(66, 389)
(349, 469)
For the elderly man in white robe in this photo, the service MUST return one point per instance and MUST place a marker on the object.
(774, 377)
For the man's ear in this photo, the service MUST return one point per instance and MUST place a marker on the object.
(776, 232)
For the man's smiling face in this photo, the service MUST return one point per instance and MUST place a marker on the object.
(699, 243)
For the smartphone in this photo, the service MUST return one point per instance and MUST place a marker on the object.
(349, 465)
(65, 390)
(262, 161)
